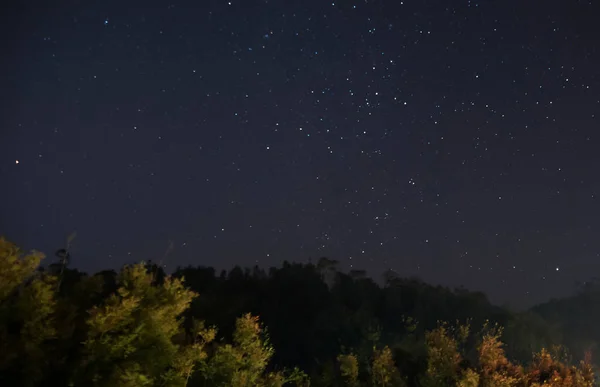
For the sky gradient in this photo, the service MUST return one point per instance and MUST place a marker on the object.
(457, 141)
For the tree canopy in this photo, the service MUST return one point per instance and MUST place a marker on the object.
(297, 325)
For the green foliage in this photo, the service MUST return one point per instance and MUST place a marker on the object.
(469, 378)
(349, 369)
(297, 378)
(141, 327)
(243, 363)
(15, 267)
(130, 336)
(383, 370)
(189, 357)
(443, 357)
(27, 306)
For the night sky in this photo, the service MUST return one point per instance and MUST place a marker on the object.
(457, 141)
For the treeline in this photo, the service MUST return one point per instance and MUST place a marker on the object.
(317, 327)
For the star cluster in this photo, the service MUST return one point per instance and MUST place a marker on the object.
(454, 141)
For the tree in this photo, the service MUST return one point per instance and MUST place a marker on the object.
(383, 369)
(443, 357)
(348, 364)
(243, 363)
(469, 378)
(547, 371)
(496, 370)
(130, 338)
(190, 357)
(15, 267)
(27, 307)
(138, 328)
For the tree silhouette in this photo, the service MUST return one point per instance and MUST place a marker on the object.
(140, 326)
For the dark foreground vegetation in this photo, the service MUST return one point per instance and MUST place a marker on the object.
(140, 327)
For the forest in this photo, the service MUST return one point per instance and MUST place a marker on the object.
(301, 324)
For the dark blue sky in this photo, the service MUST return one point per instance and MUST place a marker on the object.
(452, 140)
